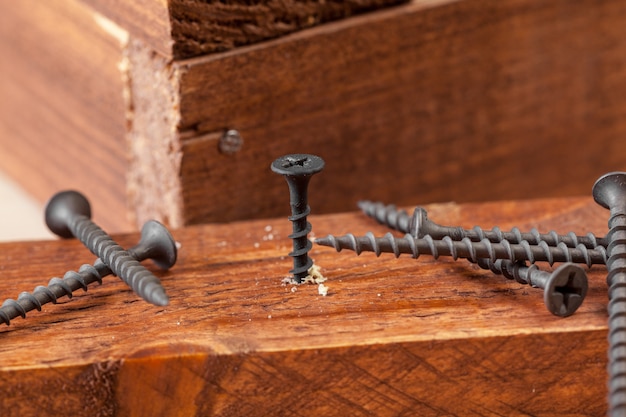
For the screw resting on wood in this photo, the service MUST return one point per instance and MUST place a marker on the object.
(68, 214)
(156, 243)
(610, 192)
(564, 289)
(419, 225)
(298, 170)
(464, 248)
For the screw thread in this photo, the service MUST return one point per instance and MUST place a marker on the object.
(616, 280)
(465, 248)
(143, 282)
(517, 271)
(301, 243)
(387, 215)
(56, 288)
(534, 237)
(400, 220)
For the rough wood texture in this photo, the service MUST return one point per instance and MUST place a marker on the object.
(62, 121)
(435, 101)
(186, 28)
(393, 337)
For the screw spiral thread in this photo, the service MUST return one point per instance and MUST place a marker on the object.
(56, 288)
(465, 248)
(517, 271)
(388, 215)
(400, 220)
(121, 263)
(301, 243)
(616, 280)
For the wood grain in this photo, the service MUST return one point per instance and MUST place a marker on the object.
(185, 28)
(392, 337)
(431, 101)
(62, 115)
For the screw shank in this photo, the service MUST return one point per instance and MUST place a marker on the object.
(462, 249)
(142, 281)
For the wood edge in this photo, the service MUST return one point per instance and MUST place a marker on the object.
(152, 111)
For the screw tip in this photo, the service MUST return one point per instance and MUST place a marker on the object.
(158, 297)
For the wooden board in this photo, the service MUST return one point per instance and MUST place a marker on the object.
(432, 101)
(182, 28)
(62, 114)
(392, 337)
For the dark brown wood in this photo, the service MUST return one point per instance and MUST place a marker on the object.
(429, 101)
(187, 28)
(392, 337)
(62, 115)
(435, 101)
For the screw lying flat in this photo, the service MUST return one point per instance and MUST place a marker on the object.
(419, 225)
(610, 192)
(464, 248)
(564, 289)
(298, 170)
(68, 214)
(156, 243)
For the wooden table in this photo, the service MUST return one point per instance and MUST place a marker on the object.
(393, 337)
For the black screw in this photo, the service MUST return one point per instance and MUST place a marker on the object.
(156, 243)
(419, 226)
(298, 170)
(464, 249)
(564, 289)
(68, 214)
(610, 192)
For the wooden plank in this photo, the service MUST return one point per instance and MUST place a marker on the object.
(62, 115)
(392, 337)
(185, 28)
(432, 101)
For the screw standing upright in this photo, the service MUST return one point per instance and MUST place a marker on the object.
(298, 170)
(609, 191)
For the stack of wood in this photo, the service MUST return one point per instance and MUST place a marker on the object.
(408, 102)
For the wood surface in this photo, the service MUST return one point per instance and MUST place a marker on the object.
(185, 28)
(433, 100)
(62, 114)
(393, 337)
(470, 100)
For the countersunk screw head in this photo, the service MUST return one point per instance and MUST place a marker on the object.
(565, 289)
(296, 165)
(61, 207)
(157, 244)
(610, 190)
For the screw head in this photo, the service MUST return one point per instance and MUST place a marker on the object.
(231, 142)
(157, 244)
(565, 290)
(61, 207)
(610, 190)
(297, 165)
